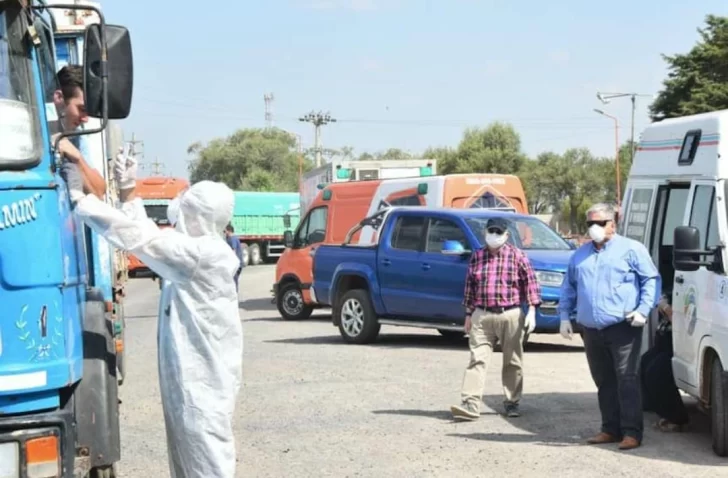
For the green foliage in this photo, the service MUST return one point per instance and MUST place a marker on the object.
(697, 81)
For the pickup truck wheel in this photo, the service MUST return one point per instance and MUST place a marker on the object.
(357, 320)
(719, 408)
(290, 303)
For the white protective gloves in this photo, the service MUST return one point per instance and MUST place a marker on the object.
(565, 328)
(125, 170)
(530, 322)
(636, 319)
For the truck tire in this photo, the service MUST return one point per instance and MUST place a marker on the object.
(246, 254)
(255, 257)
(290, 304)
(719, 408)
(358, 322)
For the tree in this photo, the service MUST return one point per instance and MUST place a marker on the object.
(249, 160)
(537, 178)
(494, 149)
(697, 81)
(446, 158)
(574, 179)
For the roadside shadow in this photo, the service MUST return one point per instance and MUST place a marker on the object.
(256, 304)
(278, 318)
(444, 415)
(557, 420)
(424, 341)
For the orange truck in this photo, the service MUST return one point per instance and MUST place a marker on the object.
(340, 206)
(155, 192)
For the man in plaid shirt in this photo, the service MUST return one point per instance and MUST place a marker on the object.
(499, 279)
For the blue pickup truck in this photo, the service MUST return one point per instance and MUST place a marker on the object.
(410, 277)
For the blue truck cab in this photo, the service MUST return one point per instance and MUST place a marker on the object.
(59, 402)
(414, 274)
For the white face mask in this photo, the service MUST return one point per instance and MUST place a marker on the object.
(597, 233)
(495, 240)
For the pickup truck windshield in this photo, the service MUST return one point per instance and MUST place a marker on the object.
(528, 234)
(19, 142)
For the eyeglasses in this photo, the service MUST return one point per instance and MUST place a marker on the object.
(495, 230)
(598, 223)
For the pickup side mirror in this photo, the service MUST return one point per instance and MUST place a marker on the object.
(454, 248)
(287, 221)
(116, 64)
(687, 252)
(288, 238)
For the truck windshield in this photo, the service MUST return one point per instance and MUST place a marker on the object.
(19, 138)
(529, 234)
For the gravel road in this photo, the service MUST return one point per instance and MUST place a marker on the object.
(312, 406)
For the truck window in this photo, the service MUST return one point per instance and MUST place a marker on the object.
(442, 230)
(704, 215)
(313, 227)
(19, 129)
(408, 233)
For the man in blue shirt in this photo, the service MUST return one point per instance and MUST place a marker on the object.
(612, 285)
(234, 243)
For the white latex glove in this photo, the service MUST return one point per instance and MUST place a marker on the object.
(636, 319)
(530, 322)
(565, 329)
(74, 181)
(125, 171)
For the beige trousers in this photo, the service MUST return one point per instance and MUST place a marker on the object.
(508, 329)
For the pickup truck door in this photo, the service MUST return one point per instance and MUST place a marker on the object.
(400, 269)
(444, 274)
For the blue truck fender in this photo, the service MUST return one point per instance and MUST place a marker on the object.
(351, 275)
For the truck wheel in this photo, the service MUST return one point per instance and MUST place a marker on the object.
(451, 334)
(246, 254)
(358, 322)
(290, 303)
(719, 408)
(255, 258)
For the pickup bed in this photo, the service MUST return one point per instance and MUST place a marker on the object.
(409, 277)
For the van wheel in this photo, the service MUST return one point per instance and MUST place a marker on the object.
(358, 322)
(255, 258)
(290, 303)
(719, 408)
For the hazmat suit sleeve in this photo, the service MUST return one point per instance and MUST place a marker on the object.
(171, 255)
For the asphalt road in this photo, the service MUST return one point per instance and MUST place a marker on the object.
(312, 406)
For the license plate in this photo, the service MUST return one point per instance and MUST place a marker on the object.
(9, 457)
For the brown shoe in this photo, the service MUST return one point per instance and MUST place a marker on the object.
(602, 438)
(628, 443)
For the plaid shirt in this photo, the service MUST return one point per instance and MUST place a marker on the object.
(503, 279)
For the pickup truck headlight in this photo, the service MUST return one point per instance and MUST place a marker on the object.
(550, 279)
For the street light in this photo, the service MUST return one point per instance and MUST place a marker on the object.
(616, 152)
(605, 99)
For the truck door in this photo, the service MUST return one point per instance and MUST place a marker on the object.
(696, 293)
(445, 274)
(400, 267)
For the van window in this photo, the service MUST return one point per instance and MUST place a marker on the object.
(689, 147)
(408, 233)
(313, 227)
(676, 202)
(442, 230)
(636, 220)
(704, 215)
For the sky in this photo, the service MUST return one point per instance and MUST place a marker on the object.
(397, 73)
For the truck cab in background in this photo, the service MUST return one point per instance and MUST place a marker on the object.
(59, 408)
(675, 203)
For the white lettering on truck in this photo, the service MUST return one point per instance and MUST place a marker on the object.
(19, 212)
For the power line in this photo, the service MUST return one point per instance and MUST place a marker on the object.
(318, 119)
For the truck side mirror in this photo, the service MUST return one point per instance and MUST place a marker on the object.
(288, 238)
(287, 221)
(687, 251)
(116, 64)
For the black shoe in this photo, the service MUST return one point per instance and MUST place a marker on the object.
(512, 410)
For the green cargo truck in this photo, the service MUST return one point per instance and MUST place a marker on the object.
(258, 219)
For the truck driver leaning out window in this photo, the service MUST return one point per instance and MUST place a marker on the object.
(72, 115)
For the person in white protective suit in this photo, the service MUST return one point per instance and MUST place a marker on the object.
(200, 335)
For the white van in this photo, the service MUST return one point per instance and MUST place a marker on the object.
(675, 203)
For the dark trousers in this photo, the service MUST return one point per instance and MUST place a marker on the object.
(659, 392)
(613, 354)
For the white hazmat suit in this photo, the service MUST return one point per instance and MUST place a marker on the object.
(199, 330)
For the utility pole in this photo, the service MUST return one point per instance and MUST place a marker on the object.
(318, 119)
(133, 144)
(157, 165)
(606, 97)
(268, 98)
